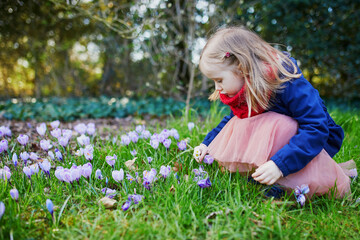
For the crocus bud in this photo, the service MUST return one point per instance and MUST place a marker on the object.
(50, 206)
(58, 154)
(14, 193)
(191, 125)
(118, 175)
(15, 159)
(2, 209)
(23, 139)
(41, 129)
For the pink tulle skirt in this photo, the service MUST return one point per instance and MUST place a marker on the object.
(245, 144)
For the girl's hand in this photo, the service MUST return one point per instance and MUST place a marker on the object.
(268, 173)
(200, 152)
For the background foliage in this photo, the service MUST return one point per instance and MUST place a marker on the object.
(149, 48)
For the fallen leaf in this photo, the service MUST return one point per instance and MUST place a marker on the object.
(130, 164)
(257, 222)
(172, 189)
(214, 214)
(108, 202)
(177, 167)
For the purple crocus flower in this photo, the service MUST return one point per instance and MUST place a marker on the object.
(110, 193)
(165, 171)
(167, 143)
(63, 141)
(67, 133)
(130, 178)
(134, 137)
(34, 156)
(56, 133)
(111, 160)
(118, 175)
(133, 152)
(301, 199)
(3, 145)
(199, 174)
(165, 133)
(191, 125)
(303, 189)
(208, 159)
(14, 193)
(58, 173)
(80, 128)
(45, 166)
(98, 174)
(51, 155)
(204, 183)
(24, 156)
(86, 170)
(161, 137)
(174, 133)
(27, 172)
(50, 207)
(41, 129)
(140, 128)
(149, 159)
(15, 159)
(154, 137)
(83, 140)
(136, 198)
(154, 144)
(2, 209)
(300, 193)
(45, 144)
(181, 145)
(58, 154)
(149, 177)
(90, 129)
(89, 152)
(66, 176)
(34, 168)
(23, 139)
(76, 172)
(124, 207)
(353, 173)
(5, 173)
(125, 140)
(55, 124)
(145, 134)
(5, 131)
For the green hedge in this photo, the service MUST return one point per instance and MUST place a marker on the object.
(69, 109)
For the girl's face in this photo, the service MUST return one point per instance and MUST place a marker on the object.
(228, 80)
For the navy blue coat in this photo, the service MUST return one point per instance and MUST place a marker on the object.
(317, 130)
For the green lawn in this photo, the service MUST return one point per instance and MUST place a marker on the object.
(175, 207)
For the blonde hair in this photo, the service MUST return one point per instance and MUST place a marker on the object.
(254, 58)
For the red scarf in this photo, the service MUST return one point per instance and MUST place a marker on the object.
(238, 104)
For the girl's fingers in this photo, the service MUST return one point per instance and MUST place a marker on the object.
(257, 172)
(203, 153)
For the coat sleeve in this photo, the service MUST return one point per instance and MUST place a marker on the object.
(304, 104)
(213, 133)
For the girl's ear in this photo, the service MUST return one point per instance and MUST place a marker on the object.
(242, 70)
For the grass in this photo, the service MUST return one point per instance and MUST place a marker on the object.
(174, 208)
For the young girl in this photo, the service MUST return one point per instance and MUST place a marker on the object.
(278, 130)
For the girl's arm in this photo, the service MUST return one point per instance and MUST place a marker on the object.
(302, 102)
(213, 133)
